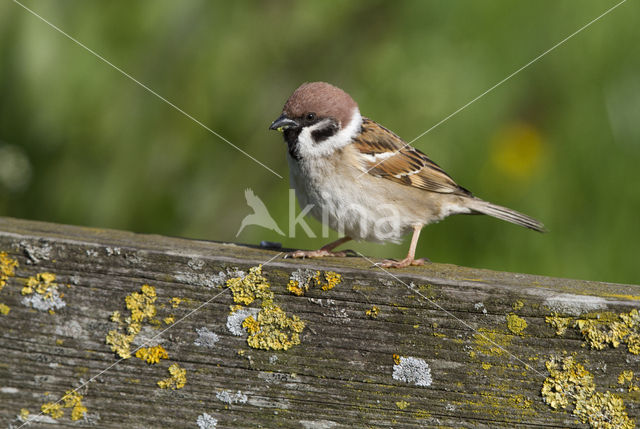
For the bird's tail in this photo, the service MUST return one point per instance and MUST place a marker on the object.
(484, 207)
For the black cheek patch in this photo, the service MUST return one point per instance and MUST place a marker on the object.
(324, 133)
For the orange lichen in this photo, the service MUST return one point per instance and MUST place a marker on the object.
(54, 409)
(301, 281)
(560, 324)
(613, 330)
(571, 385)
(250, 287)
(372, 312)
(7, 268)
(177, 380)
(273, 330)
(626, 378)
(72, 399)
(152, 354)
(41, 283)
(141, 307)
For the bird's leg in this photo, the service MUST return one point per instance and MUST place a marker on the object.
(326, 250)
(409, 260)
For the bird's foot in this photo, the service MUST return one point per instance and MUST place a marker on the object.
(406, 262)
(301, 254)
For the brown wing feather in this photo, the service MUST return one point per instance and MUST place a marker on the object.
(408, 166)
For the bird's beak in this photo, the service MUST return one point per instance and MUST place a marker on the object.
(282, 123)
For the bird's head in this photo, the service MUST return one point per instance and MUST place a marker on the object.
(317, 119)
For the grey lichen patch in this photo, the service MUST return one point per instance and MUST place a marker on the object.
(412, 370)
(235, 320)
(479, 306)
(229, 397)
(42, 293)
(318, 424)
(571, 387)
(205, 421)
(195, 264)
(206, 338)
(206, 279)
(574, 305)
(36, 254)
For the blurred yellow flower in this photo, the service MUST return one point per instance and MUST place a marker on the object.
(517, 150)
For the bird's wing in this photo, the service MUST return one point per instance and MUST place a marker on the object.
(384, 154)
(253, 201)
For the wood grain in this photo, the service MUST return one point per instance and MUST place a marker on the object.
(341, 375)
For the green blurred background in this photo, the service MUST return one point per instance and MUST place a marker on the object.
(82, 144)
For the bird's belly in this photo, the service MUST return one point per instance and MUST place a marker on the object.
(349, 207)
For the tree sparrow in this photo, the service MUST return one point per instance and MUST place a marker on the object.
(363, 180)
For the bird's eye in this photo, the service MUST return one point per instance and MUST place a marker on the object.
(310, 116)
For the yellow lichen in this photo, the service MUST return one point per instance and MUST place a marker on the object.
(252, 286)
(275, 331)
(169, 320)
(372, 312)
(24, 414)
(120, 343)
(517, 305)
(152, 354)
(516, 324)
(490, 343)
(396, 359)
(177, 380)
(4, 309)
(41, 283)
(486, 366)
(612, 329)
(7, 268)
(571, 385)
(560, 324)
(331, 280)
(251, 325)
(294, 287)
(626, 377)
(402, 404)
(53, 409)
(72, 399)
(303, 280)
(141, 308)
(175, 301)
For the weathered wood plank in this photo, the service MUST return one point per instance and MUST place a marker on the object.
(454, 319)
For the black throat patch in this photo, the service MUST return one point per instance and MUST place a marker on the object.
(291, 137)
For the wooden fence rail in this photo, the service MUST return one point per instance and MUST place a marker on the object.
(102, 328)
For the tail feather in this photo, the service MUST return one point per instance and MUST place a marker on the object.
(484, 207)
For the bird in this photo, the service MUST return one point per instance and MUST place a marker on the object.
(260, 215)
(363, 180)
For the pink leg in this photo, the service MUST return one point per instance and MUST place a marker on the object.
(409, 260)
(323, 251)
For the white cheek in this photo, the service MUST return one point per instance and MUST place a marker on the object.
(307, 148)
